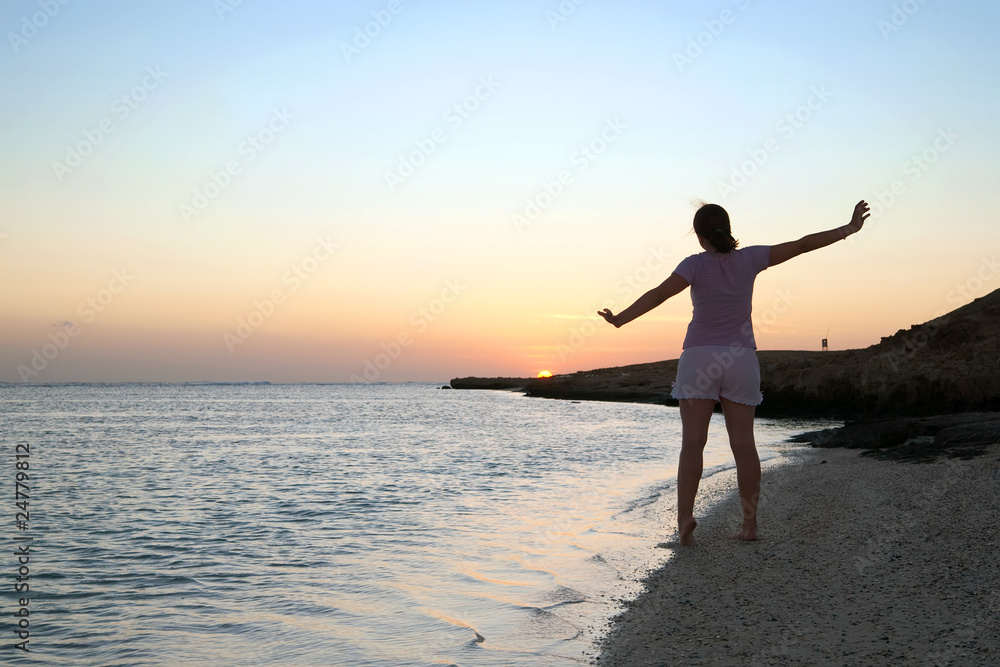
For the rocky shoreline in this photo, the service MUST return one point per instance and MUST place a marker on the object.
(930, 390)
(947, 365)
(963, 436)
(861, 560)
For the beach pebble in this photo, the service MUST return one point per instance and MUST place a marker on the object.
(860, 562)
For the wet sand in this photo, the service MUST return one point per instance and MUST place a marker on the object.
(860, 562)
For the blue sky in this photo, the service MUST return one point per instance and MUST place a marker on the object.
(885, 96)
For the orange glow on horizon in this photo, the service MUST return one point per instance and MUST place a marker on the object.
(545, 374)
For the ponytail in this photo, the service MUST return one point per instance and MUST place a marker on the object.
(712, 222)
(723, 241)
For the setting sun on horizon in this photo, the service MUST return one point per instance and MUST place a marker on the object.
(424, 312)
(342, 192)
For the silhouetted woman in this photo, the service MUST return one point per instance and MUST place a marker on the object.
(719, 362)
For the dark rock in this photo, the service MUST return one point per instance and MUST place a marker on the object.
(914, 439)
(515, 384)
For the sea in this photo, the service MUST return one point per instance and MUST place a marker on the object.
(342, 524)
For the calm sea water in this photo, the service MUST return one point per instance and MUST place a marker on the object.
(334, 524)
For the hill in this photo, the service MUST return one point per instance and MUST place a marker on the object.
(949, 364)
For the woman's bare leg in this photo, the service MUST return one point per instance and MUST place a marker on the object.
(696, 414)
(739, 424)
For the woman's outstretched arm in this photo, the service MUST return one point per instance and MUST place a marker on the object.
(785, 251)
(674, 284)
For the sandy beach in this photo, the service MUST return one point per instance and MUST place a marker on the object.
(860, 562)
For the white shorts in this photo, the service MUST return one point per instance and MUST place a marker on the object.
(714, 371)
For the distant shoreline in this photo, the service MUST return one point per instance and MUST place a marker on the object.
(947, 365)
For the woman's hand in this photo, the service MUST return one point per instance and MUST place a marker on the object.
(610, 317)
(861, 213)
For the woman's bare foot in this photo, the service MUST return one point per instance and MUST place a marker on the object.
(747, 533)
(686, 528)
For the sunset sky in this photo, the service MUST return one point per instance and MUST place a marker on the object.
(397, 191)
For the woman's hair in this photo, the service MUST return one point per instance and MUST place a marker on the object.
(712, 222)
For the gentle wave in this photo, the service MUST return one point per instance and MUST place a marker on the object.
(383, 525)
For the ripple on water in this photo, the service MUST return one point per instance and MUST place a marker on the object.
(385, 525)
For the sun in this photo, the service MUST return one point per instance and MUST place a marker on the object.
(544, 374)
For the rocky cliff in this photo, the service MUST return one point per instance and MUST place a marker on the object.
(949, 364)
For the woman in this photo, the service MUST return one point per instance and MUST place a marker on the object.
(718, 362)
